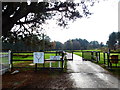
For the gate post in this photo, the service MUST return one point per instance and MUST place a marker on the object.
(97, 56)
(35, 66)
(72, 55)
(11, 60)
(62, 60)
(108, 54)
(91, 55)
(104, 57)
(82, 55)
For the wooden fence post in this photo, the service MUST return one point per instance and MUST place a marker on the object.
(104, 57)
(82, 55)
(11, 62)
(62, 59)
(99, 56)
(56, 53)
(35, 66)
(91, 55)
(108, 54)
(72, 55)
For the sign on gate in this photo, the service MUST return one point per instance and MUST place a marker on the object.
(55, 57)
(38, 57)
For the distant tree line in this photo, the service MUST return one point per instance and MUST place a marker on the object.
(28, 43)
(36, 43)
(43, 42)
(114, 41)
(78, 44)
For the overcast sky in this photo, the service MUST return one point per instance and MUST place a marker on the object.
(98, 27)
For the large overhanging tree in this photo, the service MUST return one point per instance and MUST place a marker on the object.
(28, 18)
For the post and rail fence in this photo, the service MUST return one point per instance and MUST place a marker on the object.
(91, 55)
(9, 58)
(111, 58)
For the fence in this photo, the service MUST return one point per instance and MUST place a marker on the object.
(91, 55)
(112, 59)
(5, 61)
(27, 58)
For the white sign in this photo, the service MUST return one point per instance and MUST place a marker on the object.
(55, 57)
(38, 57)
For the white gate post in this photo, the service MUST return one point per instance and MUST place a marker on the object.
(59, 64)
(9, 57)
(50, 64)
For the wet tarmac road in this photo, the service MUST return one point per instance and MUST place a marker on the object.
(86, 74)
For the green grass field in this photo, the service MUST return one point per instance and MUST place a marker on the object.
(4, 59)
(47, 56)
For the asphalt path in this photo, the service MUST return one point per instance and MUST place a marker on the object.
(86, 74)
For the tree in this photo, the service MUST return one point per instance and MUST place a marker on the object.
(53, 45)
(94, 44)
(20, 18)
(76, 45)
(112, 40)
(83, 44)
(29, 43)
(118, 38)
(59, 45)
(101, 44)
(68, 45)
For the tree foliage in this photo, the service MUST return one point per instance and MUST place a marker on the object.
(58, 45)
(112, 40)
(29, 43)
(22, 23)
(118, 38)
(19, 18)
(81, 44)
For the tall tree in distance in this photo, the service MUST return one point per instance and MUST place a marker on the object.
(59, 45)
(118, 38)
(94, 44)
(112, 40)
